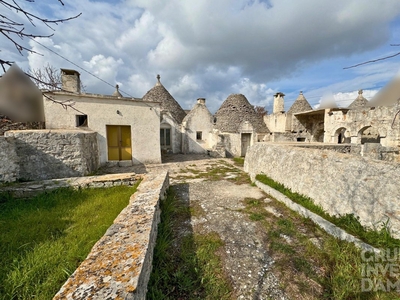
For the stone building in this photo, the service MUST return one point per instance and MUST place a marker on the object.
(239, 125)
(198, 134)
(127, 128)
(363, 122)
(170, 119)
(287, 127)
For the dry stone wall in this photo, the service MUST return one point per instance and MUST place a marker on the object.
(9, 168)
(120, 263)
(47, 154)
(340, 183)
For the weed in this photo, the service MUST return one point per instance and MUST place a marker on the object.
(239, 161)
(380, 238)
(256, 217)
(185, 266)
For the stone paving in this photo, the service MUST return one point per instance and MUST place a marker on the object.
(246, 259)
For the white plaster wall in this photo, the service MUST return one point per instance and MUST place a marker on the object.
(199, 119)
(276, 122)
(143, 117)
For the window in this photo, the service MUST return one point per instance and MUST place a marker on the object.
(199, 135)
(81, 121)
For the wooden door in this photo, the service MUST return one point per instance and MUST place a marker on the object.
(246, 139)
(119, 142)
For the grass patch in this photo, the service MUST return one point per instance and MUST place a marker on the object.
(380, 238)
(45, 238)
(238, 161)
(185, 266)
(331, 270)
(216, 172)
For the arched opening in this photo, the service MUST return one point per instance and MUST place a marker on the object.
(342, 136)
(369, 134)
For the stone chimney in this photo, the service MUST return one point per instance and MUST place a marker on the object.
(279, 103)
(71, 81)
(201, 101)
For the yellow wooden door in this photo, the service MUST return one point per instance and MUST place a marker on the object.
(119, 142)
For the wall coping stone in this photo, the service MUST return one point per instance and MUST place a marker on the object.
(30, 189)
(120, 263)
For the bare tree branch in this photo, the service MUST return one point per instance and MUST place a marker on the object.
(48, 77)
(15, 31)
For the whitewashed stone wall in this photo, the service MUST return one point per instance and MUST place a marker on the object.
(101, 110)
(340, 183)
(47, 154)
(9, 168)
(199, 119)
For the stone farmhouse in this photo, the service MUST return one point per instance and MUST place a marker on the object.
(127, 128)
(125, 131)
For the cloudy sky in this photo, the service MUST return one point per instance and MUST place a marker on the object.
(211, 49)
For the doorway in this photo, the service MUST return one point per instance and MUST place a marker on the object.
(165, 138)
(246, 140)
(119, 142)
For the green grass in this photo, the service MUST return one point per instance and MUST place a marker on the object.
(185, 266)
(45, 238)
(331, 270)
(380, 238)
(239, 161)
(216, 172)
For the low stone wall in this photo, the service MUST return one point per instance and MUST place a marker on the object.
(340, 183)
(9, 168)
(120, 263)
(30, 189)
(47, 154)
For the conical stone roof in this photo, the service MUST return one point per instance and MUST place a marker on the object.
(234, 111)
(301, 104)
(160, 94)
(117, 93)
(360, 101)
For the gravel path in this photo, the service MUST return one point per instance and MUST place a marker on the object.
(218, 190)
(246, 259)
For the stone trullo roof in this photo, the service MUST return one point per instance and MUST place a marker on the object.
(160, 94)
(117, 93)
(301, 104)
(234, 111)
(360, 101)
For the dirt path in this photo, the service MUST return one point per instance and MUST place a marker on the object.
(268, 252)
(246, 258)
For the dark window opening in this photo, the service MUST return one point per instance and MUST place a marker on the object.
(301, 139)
(199, 135)
(165, 137)
(81, 121)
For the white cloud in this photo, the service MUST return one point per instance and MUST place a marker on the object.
(214, 48)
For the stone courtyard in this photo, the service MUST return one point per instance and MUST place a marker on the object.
(219, 192)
